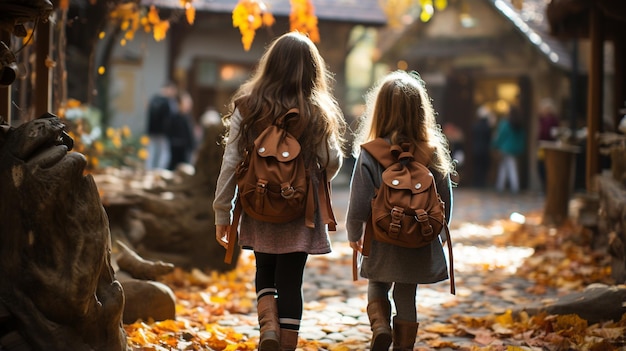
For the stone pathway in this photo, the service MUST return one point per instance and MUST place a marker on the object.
(335, 314)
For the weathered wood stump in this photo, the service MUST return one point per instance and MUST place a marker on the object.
(58, 290)
(174, 220)
(560, 173)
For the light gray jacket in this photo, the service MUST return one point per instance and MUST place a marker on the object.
(266, 237)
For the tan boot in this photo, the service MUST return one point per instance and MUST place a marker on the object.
(268, 323)
(288, 339)
(404, 334)
(379, 313)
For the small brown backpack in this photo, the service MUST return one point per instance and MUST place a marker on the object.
(275, 183)
(273, 179)
(407, 210)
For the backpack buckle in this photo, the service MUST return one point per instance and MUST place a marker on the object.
(395, 226)
(287, 191)
(397, 213)
(261, 186)
(425, 228)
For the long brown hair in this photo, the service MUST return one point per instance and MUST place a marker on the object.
(291, 73)
(399, 108)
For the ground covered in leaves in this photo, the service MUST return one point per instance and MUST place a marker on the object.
(500, 266)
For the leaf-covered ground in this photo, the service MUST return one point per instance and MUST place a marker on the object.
(500, 267)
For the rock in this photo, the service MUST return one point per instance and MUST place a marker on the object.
(597, 303)
(147, 300)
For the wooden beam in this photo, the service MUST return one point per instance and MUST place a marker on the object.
(5, 92)
(594, 95)
(619, 91)
(43, 75)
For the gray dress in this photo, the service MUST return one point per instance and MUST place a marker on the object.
(386, 262)
(265, 237)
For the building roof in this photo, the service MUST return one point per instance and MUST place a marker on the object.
(532, 23)
(570, 18)
(353, 11)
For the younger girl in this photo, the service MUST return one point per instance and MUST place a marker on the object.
(290, 74)
(399, 110)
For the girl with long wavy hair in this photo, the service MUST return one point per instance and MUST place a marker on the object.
(290, 74)
(399, 110)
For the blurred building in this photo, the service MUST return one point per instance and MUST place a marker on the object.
(472, 53)
(487, 52)
(208, 58)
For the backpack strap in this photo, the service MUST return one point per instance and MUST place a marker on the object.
(450, 258)
(232, 233)
(323, 197)
(382, 152)
(379, 149)
(291, 122)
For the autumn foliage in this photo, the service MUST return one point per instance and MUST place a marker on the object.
(248, 16)
(302, 19)
(206, 300)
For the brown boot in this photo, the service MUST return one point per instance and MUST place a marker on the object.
(404, 334)
(268, 323)
(288, 339)
(379, 313)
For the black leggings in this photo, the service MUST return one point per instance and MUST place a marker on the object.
(282, 275)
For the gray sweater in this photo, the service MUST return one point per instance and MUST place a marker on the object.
(266, 237)
(386, 262)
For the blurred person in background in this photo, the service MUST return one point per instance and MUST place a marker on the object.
(161, 109)
(481, 145)
(509, 141)
(548, 124)
(180, 133)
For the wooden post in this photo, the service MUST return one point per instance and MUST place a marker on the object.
(5, 92)
(43, 71)
(594, 94)
(619, 91)
(560, 165)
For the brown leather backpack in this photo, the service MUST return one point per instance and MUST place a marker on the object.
(275, 183)
(407, 210)
(273, 178)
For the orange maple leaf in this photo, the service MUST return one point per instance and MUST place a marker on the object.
(302, 19)
(248, 16)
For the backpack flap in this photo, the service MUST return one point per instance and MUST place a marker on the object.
(399, 177)
(275, 142)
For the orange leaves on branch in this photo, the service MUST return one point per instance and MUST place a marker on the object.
(190, 11)
(159, 27)
(248, 16)
(302, 19)
(397, 11)
(129, 18)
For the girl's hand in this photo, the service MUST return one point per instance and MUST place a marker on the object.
(357, 245)
(221, 234)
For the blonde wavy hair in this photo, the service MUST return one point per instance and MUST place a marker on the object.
(399, 108)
